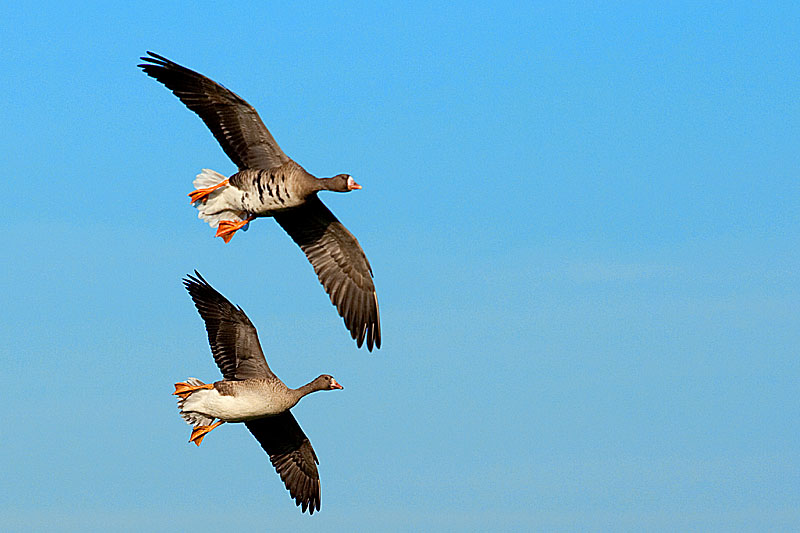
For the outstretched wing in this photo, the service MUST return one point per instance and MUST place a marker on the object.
(340, 264)
(233, 338)
(234, 123)
(291, 454)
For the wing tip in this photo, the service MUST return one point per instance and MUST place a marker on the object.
(196, 281)
(365, 329)
(204, 295)
(153, 60)
(309, 500)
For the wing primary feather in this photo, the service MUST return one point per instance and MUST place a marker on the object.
(231, 335)
(339, 262)
(292, 456)
(233, 122)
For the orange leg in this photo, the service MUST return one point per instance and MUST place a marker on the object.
(199, 432)
(183, 389)
(201, 195)
(227, 228)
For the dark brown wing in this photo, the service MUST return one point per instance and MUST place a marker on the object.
(233, 338)
(292, 456)
(235, 123)
(341, 267)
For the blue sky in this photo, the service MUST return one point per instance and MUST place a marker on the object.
(584, 222)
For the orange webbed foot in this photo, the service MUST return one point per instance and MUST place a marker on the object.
(183, 389)
(201, 195)
(199, 432)
(227, 228)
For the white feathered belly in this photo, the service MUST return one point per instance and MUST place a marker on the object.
(263, 197)
(244, 406)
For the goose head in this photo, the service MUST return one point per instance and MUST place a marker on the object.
(341, 183)
(326, 382)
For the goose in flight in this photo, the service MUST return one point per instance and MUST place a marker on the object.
(249, 392)
(270, 184)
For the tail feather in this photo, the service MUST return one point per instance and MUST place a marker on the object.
(193, 418)
(207, 178)
(215, 208)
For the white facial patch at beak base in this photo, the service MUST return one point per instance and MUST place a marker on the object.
(351, 183)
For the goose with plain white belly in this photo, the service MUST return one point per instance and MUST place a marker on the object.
(270, 184)
(249, 392)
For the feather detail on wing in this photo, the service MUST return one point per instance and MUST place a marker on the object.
(291, 454)
(233, 338)
(341, 267)
(235, 124)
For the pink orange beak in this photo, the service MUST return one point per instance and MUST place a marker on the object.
(335, 384)
(352, 185)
